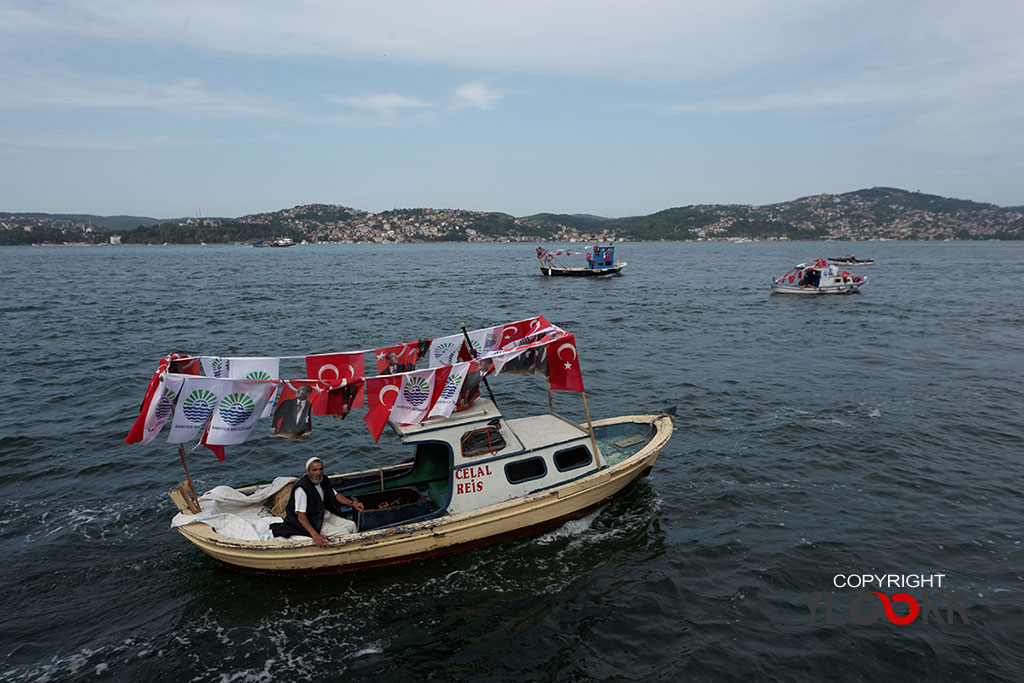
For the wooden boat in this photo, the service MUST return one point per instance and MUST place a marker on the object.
(560, 271)
(600, 262)
(475, 478)
(851, 260)
(818, 277)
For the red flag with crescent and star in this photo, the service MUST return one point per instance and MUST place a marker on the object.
(513, 332)
(337, 370)
(381, 394)
(334, 368)
(564, 365)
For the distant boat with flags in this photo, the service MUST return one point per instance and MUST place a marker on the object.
(600, 262)
(474, 476)
(278, 242)
(818, 277)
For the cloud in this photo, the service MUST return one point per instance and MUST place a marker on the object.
(114, 143)
(477, 95)
(643, 38)
(939, 63)
(384, 104)
(62, 89)
(960, 104)
(648, 41)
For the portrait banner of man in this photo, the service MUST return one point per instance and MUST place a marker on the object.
(293, 416)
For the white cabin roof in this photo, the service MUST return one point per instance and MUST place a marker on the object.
(481, 411)
(538, 431)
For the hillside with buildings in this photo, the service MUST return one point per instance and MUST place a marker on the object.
(877, 213)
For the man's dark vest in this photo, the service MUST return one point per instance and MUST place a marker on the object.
(314, 508)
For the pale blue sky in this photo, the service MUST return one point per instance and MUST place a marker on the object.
(189, 107)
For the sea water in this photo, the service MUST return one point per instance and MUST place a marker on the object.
(817, 438)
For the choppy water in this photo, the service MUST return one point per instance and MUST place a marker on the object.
(879, 433)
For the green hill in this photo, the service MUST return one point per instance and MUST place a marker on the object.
(872, 213)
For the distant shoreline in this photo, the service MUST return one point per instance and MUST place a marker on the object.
(498, 242)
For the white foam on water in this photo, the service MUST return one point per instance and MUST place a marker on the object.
(370, 649)
(57, 669)
(106, 521)
(264, 675)
(571, 529)
(282, 641)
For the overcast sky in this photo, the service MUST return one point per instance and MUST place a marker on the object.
(217, 108)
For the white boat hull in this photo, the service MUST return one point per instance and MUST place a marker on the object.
(441, 535)
(846, 288)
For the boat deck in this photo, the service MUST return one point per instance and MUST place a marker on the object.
(621, 440)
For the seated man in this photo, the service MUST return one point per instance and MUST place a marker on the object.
(314, 508)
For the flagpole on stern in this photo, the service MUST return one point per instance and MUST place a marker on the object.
(590, 424)
(593, 439)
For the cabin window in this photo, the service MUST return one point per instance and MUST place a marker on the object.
(481, 441)
(525, 470)
(572, 458)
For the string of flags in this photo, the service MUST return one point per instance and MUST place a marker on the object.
(220, 400)
(551, 254)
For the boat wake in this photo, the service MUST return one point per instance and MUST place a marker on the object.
(102, 522)
(571, 529)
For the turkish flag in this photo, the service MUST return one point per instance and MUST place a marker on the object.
(337, 371)
(334, 368)
(381, 394)
(514, 332)
(564, 365)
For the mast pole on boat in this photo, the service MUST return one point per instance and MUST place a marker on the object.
(472, 351)
(188, 477)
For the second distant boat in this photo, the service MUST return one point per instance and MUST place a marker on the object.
(600, 262)
(851, 260)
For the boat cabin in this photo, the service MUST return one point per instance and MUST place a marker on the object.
(468, 461)
(601, 258)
